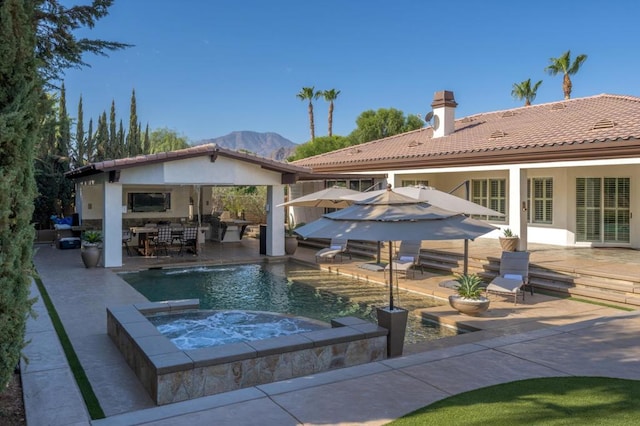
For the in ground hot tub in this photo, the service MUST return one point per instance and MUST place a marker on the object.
(171, 374)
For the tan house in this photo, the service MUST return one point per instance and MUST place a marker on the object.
(563, 172)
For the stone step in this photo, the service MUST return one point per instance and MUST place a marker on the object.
(603, 286)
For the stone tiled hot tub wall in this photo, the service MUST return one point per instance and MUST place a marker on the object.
(170, 374)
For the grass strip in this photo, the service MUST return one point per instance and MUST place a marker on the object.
(545, 401)
(590, 301)
(90, 399)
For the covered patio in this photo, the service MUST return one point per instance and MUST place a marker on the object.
(108, 194)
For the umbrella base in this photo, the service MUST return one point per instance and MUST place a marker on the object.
(396, 322)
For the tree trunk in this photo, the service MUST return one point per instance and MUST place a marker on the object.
(566, 86)
(311, 124)
(330, 118)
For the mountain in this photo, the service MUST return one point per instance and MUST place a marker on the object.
(269, 145)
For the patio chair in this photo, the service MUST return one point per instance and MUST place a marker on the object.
(163, 240)
(189, 240)
(407, 258)
(126, 239)
(338, 247)
(514, 275)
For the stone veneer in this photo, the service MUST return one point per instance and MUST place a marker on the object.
(170, 374)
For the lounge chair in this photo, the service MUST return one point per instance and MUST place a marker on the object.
(337, 247)
(408, 257)
(514, 275)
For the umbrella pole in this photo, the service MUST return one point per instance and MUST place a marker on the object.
(466, 257)
(391, 275)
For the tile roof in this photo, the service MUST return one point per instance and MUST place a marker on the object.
(212, 150)
(606, 126)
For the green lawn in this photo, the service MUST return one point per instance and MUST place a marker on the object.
(547, 401)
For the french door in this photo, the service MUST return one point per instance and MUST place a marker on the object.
(602, 210)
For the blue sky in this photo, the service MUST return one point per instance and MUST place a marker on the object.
(206, 68)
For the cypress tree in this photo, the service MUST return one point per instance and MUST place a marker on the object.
(133, 138)
(102, 138)
(114, 151)
(91, 145)
(80, 142)
(19, 120)
(121, 143)
(62, 156)
(146, 143)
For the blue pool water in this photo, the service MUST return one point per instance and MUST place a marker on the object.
(203, 329)
(285, 288)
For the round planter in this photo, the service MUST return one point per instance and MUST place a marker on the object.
(509, 243)
(471, 307)
(290, 245)
(90, 255)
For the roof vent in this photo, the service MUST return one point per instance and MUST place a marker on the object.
(466, 120)
(557, 107)
(497, 134)
(354, 151)
(508, 114)
(603, 124)
(414, 144)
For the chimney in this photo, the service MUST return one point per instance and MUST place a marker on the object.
(443, 113)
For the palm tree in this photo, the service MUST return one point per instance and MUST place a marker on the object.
(330, 96)
(525, 91)
(563, 65)
(309, 93)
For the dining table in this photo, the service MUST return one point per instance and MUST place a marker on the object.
(145, 236)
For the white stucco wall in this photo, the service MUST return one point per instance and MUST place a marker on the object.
(564, 174)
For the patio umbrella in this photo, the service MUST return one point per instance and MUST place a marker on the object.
(330, 198)
(394, 217)
(439, 199)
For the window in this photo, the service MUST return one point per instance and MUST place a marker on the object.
(355, 184)
(149, 201)
(540, 200)
(413, 182)
(602, 210)
(490, 193)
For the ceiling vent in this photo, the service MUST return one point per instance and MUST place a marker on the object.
(558, 107)
(603, 124)
(508, 114)
(497, 134)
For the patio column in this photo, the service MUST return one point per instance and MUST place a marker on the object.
(275, 220)
(112, 225)
(518, 204)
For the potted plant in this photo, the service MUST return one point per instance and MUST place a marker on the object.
(508, 240)
(91, 248)
(469, 299)
(291, 239)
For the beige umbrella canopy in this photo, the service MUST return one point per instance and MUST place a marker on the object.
(439, 199)
(434, 197)
(329, 198)
(394, 217)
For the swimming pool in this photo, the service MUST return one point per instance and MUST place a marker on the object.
(286, 288)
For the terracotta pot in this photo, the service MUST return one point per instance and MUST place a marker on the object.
(471, 307)
(290, 245)
(509, 243)
(90, 255)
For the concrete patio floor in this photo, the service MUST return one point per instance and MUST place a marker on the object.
(542, 337)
